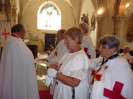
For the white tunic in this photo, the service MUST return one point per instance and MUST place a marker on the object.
(118, 70)
(17, 71)
(87, 43)
(74, 65)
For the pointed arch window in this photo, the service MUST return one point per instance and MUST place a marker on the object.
(49, 17)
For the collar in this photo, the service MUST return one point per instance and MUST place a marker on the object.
(15, 35)
(110, 58)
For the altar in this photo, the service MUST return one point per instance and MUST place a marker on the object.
(41, 71)
(36, 46)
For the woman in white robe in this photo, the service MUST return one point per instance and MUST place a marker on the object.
(114, 79)
(17, 69)
(56, 55)
(87, 43)
(60, 49)
(72, 76)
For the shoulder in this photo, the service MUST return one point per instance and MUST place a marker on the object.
(118, 70)
(119, 64)
(120, 60)
(79, 60)
(15, 43)
(61, 43)
(12, 41)
(80, 56)
(80, 53)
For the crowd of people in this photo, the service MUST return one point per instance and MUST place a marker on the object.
(74, 70)
(82, 75)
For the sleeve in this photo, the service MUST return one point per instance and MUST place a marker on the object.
(52, 58)
(91, 48)
(95, 62)
(78, 69)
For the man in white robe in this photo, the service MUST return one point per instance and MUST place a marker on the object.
(114, 79)
(17, 68)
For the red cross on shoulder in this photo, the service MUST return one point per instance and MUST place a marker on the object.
(116, 92)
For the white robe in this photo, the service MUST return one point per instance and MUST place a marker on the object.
(74, 65)
(51, 74)
(87, 43)
(118, 70)
(17, 71)
(61, 50)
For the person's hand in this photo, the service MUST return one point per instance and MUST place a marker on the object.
(54, 66)
(59, 75)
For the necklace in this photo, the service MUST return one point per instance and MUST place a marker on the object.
(97, 74)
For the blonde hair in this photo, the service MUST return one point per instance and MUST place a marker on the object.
(84, 27)
(75, 34)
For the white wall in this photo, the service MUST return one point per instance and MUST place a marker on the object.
(29, 9)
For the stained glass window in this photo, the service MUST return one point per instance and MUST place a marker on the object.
(49, 18)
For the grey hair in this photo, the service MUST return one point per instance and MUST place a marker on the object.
(110, 41)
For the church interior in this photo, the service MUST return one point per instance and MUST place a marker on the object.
(43, 18)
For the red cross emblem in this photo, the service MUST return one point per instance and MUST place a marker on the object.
(116, 93)
(5, 34)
